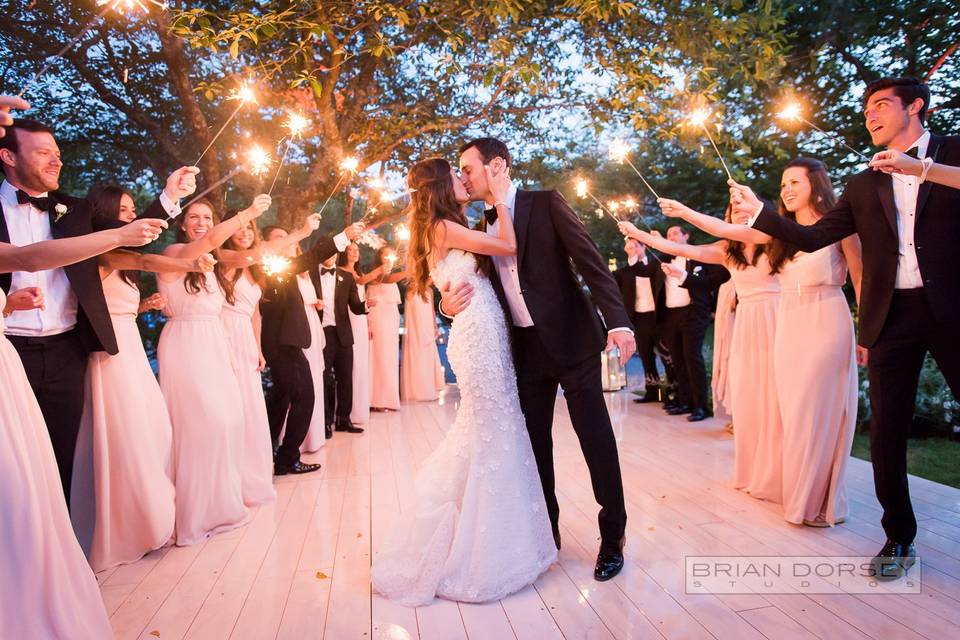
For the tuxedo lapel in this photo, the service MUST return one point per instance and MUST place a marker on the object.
(5, 278)
(934, 150)
(884, 185)
(521, 220)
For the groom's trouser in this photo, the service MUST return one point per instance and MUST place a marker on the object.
(538, 376)
(895, 360)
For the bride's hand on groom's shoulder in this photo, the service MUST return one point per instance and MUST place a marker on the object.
(453, 301)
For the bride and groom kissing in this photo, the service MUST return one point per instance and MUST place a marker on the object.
(485, 522)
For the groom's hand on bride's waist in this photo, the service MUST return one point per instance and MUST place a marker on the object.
(455, 300)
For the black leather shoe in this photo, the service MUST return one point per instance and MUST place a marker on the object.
(697, 415)
(670, 404)
(649, 397)
(894, 560)
(328, 431)
(296, 468)
(608, 566)
(347, 427)
(679, 410)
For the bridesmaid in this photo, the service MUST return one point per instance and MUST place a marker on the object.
(384, 320)
(123, 498)
(421, 375)
(198, 380)
(758, 438)
(47, 589)
(722, 338)
(817, 387)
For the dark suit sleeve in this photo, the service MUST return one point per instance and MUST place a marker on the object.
(835, 225)
(581, 248)
(354, 302)
(324, 249)
(710, 277)
(101, 222)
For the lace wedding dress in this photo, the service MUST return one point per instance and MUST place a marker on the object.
(479, 528)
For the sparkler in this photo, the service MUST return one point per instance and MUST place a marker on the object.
(620, 152)
(274, 265)
(257, 161)
(583, 190)
(348, 166)
(296, 124)
(243, 94)
(699, 119)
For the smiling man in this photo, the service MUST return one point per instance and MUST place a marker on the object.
(910, 300)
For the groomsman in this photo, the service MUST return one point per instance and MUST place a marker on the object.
(910, 301)
(338, 292)
(285, 333)
(54, 340)
(641, 284)
(690, 295)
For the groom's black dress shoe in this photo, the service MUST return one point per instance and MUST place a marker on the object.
(894, 560)
(296, 468)
(608, 566)
(679, 410)
(697, 415)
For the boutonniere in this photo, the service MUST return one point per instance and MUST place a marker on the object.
(60, 210)
(339, 278)
(697, 269)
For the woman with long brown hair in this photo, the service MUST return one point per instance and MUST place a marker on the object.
(479, 528)
(384, 327)
(816, 387)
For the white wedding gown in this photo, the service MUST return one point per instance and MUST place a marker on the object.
(479, 528)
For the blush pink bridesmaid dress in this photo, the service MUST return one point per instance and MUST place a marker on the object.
(722, 341)
(206, 409)
(816, 374)
(758, 432)
(316, 435)
(257, 470)
(360, 414)
(384, 321)
(47, 589)
(421, 375)
(125, 443)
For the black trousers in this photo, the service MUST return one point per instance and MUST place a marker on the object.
(645, 330)
(893, 369)
(56, 367)
(291, 399)
(337, 378)
(538, 376)
(685, 334)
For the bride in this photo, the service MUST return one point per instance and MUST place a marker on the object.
(479, 529)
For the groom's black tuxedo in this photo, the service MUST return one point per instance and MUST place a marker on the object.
(563, 348)
(898, 325)
(56, 365)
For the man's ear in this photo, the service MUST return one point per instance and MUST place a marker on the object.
(915, 107)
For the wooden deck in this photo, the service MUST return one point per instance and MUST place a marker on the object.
(300, 569)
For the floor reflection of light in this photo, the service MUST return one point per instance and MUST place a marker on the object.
(393, 632)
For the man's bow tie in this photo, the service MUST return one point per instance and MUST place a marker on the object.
(44, 204)
(913, 152)
(490, 215)
(325, 272)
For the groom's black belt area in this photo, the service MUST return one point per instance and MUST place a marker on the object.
(39, 341)
(909, 293)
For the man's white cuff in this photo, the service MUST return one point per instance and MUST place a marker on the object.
(754, 217)
(172, 208)
(341, 241)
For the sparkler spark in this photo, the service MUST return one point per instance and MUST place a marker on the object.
(274, 265)
(258, 160)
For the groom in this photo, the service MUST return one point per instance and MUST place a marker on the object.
(557, 334)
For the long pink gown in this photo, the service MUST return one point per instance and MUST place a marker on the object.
(257, 470)
(816, 374)
(421, 375)
(722, 341)
(205, 403)
(316, 436)
(360, 414)
(47, 589)
(127, 440)
(384, 321)
(758, 432)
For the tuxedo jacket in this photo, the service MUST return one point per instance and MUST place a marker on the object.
(703, 281)
(284, 318)
(94, 327)
(346, 298)
(626, 278)
(551, 243)
(867, 208)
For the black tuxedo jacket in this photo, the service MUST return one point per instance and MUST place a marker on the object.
(346, 298)
(702, 282)
(551, 242)
(626, 278)
(284, 318)
(94, 326)
(867, 208)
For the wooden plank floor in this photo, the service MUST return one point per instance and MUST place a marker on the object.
(301, 567)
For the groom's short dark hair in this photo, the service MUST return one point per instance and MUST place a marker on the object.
(907, 89)
(489, 148)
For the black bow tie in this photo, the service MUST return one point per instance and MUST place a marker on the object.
(914, 152)
(44, 204)
(326, 272)
(490, 215)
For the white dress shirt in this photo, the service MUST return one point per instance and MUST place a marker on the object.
(677, 296)
(328, 291)
(905, 191)
(644, 299)
(509, 273)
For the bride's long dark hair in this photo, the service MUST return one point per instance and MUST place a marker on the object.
(431, 202)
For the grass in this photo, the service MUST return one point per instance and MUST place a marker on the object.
(936, 459)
